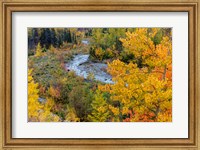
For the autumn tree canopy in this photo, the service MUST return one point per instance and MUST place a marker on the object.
(143, 87)
(137, 63)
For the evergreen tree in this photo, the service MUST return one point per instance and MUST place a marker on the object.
(53, 38)
(45, 38)
(48, 38)
(35, 36)
(100, 111)
(65, 35)
(42, 37)
(75, 40)
(31, 43)
(119, 46)
(69, 38)
(60, 42)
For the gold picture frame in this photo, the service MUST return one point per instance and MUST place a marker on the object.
(9, 6)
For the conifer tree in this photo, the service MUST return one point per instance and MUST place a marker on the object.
(100, 111)
(69, 38)
(53, 38)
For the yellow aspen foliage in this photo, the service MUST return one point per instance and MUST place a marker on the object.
(71, 115)
(38, 50)
(54, 92)
(74, 46)
(109, 52)
(36, 110)
(52, 49)
(99, 53)
(137, 42)
(115, 112)
(165, 116)
(154, 32)
(45, 114)
(143, 93)
(33, 104)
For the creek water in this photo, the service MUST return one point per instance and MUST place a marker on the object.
(81, 65)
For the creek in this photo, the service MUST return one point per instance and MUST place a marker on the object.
(82, 66)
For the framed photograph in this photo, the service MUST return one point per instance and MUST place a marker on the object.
(107, 75)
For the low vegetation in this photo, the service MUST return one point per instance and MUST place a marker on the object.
(139, 61)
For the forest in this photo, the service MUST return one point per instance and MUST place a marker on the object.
(99, 74)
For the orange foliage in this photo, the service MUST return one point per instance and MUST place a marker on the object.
(54, 92)
(144, 93)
